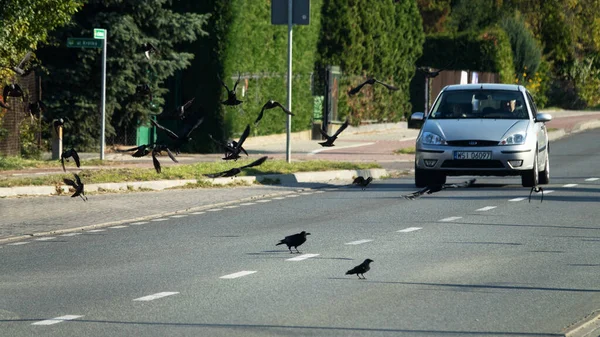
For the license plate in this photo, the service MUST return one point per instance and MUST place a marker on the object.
(473, 155)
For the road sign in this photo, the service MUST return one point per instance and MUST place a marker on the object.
(81, 42)
(300, 12)
(99, 33)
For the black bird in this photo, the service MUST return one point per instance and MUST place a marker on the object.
(156, 151)
(234, 152)
(140, 151)
(59, 122)
(78, 186)
(428, 72)
(361, 269)
(331, 139)
(370, 81)
(150, 49)
(537, 189)
(270, 105)
(68, 154)
(181, 138)
(361, 181)
(237, 170)
(231, 95)
(436, 188)
(179, 112)
(229, 148)
(294, 241)
(13, 90)
(37, 108)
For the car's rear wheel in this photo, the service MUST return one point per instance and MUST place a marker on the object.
(428, 177)
(544, 176)
(530, 177)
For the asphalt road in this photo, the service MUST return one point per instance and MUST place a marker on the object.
(480, 261)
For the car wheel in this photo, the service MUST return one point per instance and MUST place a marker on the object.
(544, 176)
(530, 177)
(428, 177)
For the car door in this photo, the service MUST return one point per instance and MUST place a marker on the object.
(540, 131)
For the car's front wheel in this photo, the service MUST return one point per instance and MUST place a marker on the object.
(428, 177)
(530, 178)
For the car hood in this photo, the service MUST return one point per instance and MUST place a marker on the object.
(476, 129)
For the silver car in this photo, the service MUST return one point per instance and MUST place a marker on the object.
(484, 130)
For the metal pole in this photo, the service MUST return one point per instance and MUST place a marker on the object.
(103, 97)
(426, 95)
(288, 152)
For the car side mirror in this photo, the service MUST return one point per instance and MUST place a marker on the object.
(417, 116)
(543, 117)
(416, 120)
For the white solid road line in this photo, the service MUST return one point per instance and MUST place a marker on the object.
(57, 320)
(452, 218)
(312, 153)
(302, 257)
(157, 295)
(592, 179)
(238, 274)
(570, 185)
(486, 208)
(358, 242)
(517, 199)
(409, 229)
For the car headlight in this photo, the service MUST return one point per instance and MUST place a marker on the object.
(431, 138)
(513, 139)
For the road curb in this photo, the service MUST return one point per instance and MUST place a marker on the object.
(157, 185)
(585, 328)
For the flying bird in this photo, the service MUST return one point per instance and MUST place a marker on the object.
(429, 73)
(270, 105)
(150, 49)
(234, 152)
(77, 185)
(13, 90)
(537, 189)
(140, 151)
(37, 107)
(237, 170)
(361, 181)
(59, 122)
(331, 139)
(430, 189)
(370, 81)
(179, 112)
(361, 269)
(231, 95)
(68, 154)
(156, 151)
(181, 138)
(294, 241)
(229, 148)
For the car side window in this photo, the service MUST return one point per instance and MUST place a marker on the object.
(532, 105)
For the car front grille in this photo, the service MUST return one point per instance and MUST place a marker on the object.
(472, 163)
(472, 142)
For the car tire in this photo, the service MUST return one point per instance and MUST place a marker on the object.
(428, 177)
(544, 176)
(530, 177)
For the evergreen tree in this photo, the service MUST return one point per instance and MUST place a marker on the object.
(73, 88)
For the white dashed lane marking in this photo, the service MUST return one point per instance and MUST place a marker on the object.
(96, 230)
(279, 198)
(410, 229)
(117, 227)
(46, 238)
(302, 257)
(71, 234)
(548, 191)
(18, 243)
(248, 204)
(592, 179)
(264, 200)
(517, 199)
(139, 223)
(156, 296)
(570, 185)
(57, 320)
(238, 274)
(319, 191)
(232, 206)
(486, 208)
(358, 242)
(292, 196)
(452, 218)
(179, 216)
(215, 209)
(159, 219)
(198, 213)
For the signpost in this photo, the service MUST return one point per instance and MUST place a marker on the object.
(79, 42)
(100, 34)
(290, 12)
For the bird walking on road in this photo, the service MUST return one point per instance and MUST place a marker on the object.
(270, 105)
(77, 185)
(237, 170)
(361, 269)
(537, 189)
(69, 154)
(295, 241)
(362, 182)
(430, 189)
(370, 81)
(330, 139)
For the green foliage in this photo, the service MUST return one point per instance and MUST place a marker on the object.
(73, 87)
(27, 135)
(435, 14)
(527, 54)
(381, 39)
(469, 15)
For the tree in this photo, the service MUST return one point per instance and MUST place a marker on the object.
(527, 54)
(434, 14)
(25, 24)
(73, 87)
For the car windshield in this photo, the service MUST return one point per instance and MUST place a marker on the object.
(478, 103)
